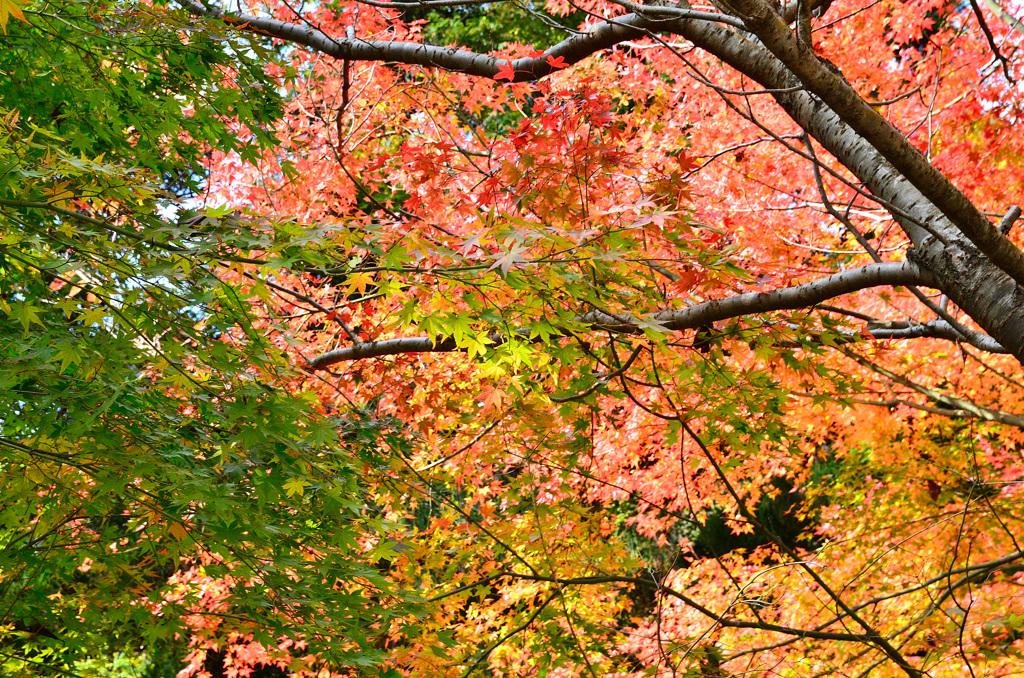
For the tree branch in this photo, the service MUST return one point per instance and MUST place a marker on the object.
(800, 296)
(871, 635)
(571, 50)
(937, 396)
(722, 619)
(936, 329)
(1010, 20)
(941, 411)
(991, 42)
(1009, 219)
(829, 85)
(987, 293)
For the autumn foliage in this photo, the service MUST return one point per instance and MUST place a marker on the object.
(539, 373)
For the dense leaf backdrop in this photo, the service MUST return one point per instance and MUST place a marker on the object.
(448, 338)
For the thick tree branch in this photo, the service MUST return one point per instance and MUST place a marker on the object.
(800, 296)
(571, 50)
(833, 89)
(896, 402)
(937, 329)
(990, 296)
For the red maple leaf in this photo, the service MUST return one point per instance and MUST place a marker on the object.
(557, 62)
(505, 72)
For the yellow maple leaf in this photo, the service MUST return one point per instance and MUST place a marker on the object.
(178, 531)
(9, 8)
(59, 193)
(356, 281)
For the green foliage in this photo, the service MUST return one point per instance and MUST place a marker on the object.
(485, 28)
(147, 86)
(156, 463)
(713, 534)
(778, 515)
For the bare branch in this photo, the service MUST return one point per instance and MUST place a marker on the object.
(800, 296)
(937, 329)
(1010, 20)
(968, 276)
(1009, 219)
(991, 41)
(937, 396)
(725, 620)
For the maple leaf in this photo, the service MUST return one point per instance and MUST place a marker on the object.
(295, 486)
(557, 62)
(26, 313)
(505, 72)
(9, 8)
(492, 400)
(359, 281)
(470, 244)
(68, 354)
(509, 259)
(177, 530)
(687, 163)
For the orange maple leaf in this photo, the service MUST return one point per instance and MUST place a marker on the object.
(9, 8)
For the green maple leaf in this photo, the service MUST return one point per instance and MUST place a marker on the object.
(26, 313)
(68, 354)
(295, 486)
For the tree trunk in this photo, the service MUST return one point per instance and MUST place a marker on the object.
(964, 273)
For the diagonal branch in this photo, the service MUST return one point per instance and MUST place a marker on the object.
(835, 91)
(988, 294)
(1000, 12)
(991, 40)
(724, 619)
(937, 396)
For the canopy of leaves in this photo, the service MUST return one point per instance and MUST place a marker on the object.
(463, 376)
